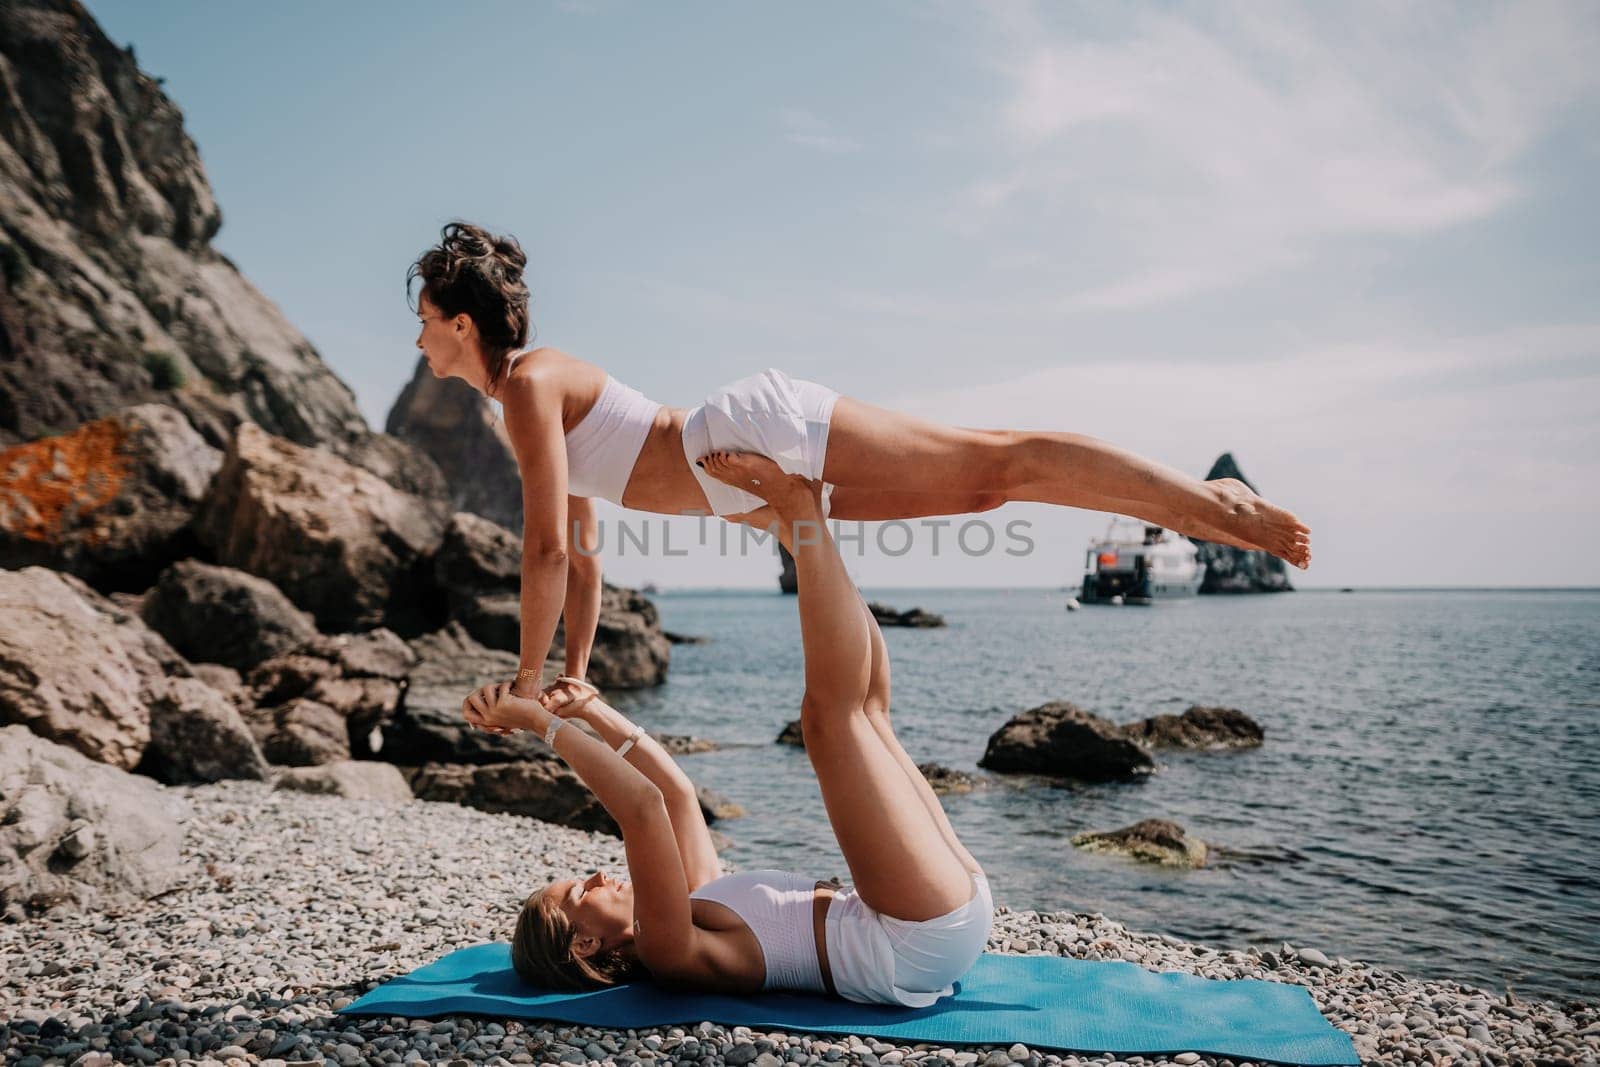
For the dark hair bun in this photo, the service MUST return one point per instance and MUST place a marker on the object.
(475, 272)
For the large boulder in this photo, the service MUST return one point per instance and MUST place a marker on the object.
(111, 501)
(1157, 841)
(357, 679)
(540, 788)
(198, 735)
(78, 669)
(300, 733)
(1239, 570)
(1061, 740)
(78, 834)
(458, 428)
(221, 615)
(1202, 728)
(340, 542)
(356, 779)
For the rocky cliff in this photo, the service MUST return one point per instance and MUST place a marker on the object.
(110, 291)
(1236, 570)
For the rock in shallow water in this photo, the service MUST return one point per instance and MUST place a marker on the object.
(1156, 841)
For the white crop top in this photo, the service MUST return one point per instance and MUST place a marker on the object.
(602, 448)
(776, 905)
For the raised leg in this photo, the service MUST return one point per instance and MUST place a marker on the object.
(871, 447)
(895, 849)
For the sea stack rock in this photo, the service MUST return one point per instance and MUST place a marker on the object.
(462, 432)
(1238, 570)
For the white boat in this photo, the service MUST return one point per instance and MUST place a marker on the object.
(1137, 563)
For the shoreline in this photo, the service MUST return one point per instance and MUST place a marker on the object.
(294, 904)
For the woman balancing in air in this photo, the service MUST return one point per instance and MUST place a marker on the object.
(918, 913)
(578, 433)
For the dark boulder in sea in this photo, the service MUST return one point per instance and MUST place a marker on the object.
(945, 780)
(1061, 740)
(791, 734)
(912, 617)
(1202, 728)
(1238, 570)
(1156, 841)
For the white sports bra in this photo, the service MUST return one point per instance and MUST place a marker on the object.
(776, 905)
(602, 448)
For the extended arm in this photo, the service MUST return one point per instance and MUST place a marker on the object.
(533, 422)
(700, 863)
(582, 610)
(665, 933)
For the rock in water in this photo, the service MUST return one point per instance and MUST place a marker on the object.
(1202, 728)
(913, 617)
(110, 502)
(1151, 841)
(77, 833)
(1238, 570)
(1062, 740)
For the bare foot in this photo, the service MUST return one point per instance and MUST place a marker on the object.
(788, 494)
(1266, 526)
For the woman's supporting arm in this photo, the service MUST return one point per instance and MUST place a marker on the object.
(582, 609)
(665, 932)
(533, 423)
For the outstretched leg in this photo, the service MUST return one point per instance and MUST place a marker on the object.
(872, 447)
(895, 849)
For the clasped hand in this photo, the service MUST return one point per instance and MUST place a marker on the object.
(496, 709)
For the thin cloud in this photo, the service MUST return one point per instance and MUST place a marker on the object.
(808, 130)
(1216, 145)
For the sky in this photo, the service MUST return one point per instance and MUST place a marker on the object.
(1355, 245)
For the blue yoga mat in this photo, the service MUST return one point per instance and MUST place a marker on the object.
(1041, 1001)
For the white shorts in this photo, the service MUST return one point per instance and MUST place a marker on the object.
(879, 960)
(782, 418)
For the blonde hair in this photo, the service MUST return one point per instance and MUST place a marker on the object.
(541, 951)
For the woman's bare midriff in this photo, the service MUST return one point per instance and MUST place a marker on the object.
(661, 480)
(710, 915)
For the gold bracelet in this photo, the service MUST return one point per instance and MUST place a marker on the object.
(537, 674)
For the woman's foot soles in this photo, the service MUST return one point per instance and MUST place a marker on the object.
(755, 473)
(1266, 526)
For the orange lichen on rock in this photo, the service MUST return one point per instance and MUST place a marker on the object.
(56, 484)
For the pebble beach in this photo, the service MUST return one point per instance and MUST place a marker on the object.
(294, 905)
